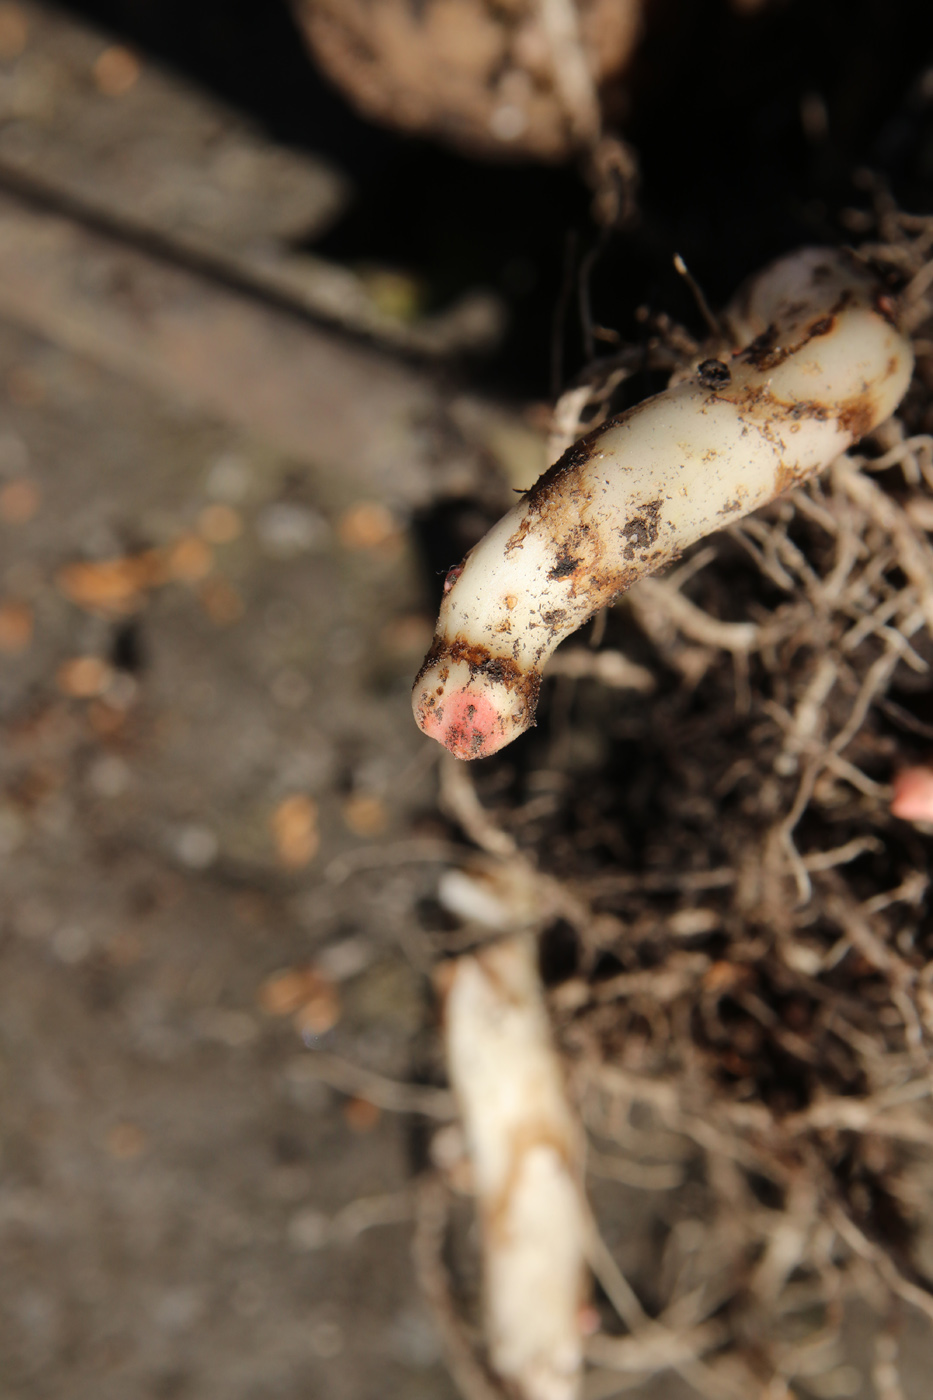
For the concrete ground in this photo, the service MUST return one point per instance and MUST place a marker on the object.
(185, 755)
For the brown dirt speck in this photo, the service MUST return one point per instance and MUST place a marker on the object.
(642, 531)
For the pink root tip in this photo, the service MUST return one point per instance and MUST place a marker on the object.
(466, 723)
(913, 795)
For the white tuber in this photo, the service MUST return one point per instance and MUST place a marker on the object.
(526, 1153)
(821, 361)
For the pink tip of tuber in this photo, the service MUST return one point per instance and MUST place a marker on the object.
(913, 795)
(467, 723)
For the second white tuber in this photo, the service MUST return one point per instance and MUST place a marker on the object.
(526, 1152)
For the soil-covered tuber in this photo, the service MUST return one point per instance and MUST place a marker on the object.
(812, 359)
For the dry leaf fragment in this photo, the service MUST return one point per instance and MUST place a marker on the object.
(189, 559)
(116, 71)
(117, 586)
(304, 993)
(112, 586)
(319, 1014)
(365, 814)
(283, 992)
(219, 524)
(367, 525)
(294, 826)
(15, 627)
(83, 677)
